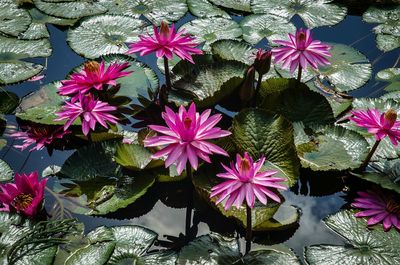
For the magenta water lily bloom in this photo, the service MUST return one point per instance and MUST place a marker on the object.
(93, 75)
(186, 137)
(39, 137)
(301, 50)
(25, 196)
(166, 42)
(379, 208)
(90, 111)
(379, 124)
(246, 181)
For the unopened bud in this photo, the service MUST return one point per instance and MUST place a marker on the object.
(247, 88)
(262, 63)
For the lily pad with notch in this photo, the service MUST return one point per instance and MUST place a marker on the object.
(13, 20)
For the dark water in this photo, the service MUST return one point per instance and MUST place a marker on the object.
(167, 220)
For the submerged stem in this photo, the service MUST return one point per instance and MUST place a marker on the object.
(189, 208)
(167, 74)
(299, 74)
(248, 229)
(369, 156)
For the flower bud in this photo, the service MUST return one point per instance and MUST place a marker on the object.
(247, 88)
(262, 63)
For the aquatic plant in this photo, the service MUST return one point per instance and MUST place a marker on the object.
(25, 196)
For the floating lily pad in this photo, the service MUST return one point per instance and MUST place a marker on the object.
(295, 101)
(364, 246)
(6, 173)
(339, 105)
(386, 174)
(314, 13)
(259, 132)
(132, 156)
(104, 34)
(209, 30)
(391, 76)
(154, 10)
(41, 106)
(203, 9)
(8, 102)
(233, 50)
(349, 69)
(71, 9)
(206, 80)
(388, 31)
(37, 29)
(13, 20)
(330, 147)
(214, 249)
(237, 5)
(12, 53)
(269, 26)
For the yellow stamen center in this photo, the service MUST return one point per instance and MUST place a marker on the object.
(187, 122)
(393, 207)
(22, 201)
(92, 66)
(391, 116)
(302, 36)
(164, 29)
(245, 164)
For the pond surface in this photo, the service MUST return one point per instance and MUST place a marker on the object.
(167, 216)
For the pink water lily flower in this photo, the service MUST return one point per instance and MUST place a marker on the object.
(25, 196)
(93, 75)
(301, 50)
(246, 181)
(89, 110)
(378, 207)
(379, 124)
(186, 137)
(39, 137)
(166, 42)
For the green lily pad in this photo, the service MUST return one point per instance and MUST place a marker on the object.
(214, 249)
(203, 9)
(209, 30)
(37, 29)
(233, 50)
(385, 150)
(391, 95)
(13, 68)
(120, 245)
(207, 80)
(132, 156)
(386, 174)
(314, 13)
(391, 76)
(154, 10)
(388, 32)
(364, 246)
(237, 5)
(70, 9)
(41, 106)
(349, 69)
(259, 132)
(8, 102)
(104, 34)
(339, 105)
(6, 173)
(295, 101)
(269, 26)
(13, 20)
(330, 147)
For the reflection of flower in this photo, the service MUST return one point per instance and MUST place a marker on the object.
(246, 181)
(378, 208)
(94, 75)
(379, 124)
(186, 137)
(39, 136)
(89, 110)
(166, 42)
(301, 50)
(25, 196)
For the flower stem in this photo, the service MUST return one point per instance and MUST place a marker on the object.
(248, 229)
(189, 208)
(167, 74)
(256, 94)
(299, 74)
(369, 156)
(89, 137)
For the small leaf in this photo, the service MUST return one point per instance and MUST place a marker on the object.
(233, 50)
(8, 102)
(6, 173)
(391, 76)
(14, 20)
(132, 156)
